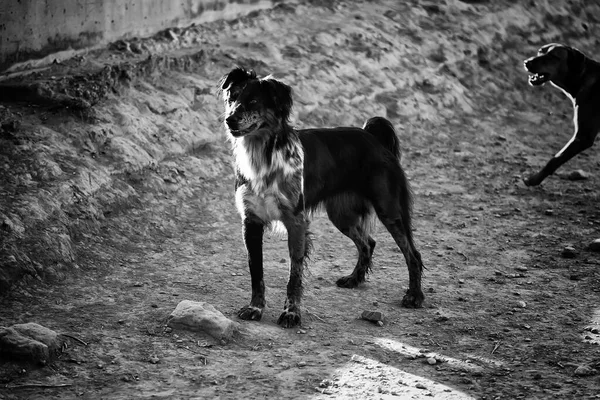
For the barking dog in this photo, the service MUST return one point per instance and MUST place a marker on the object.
(578, 77)
(283, 173)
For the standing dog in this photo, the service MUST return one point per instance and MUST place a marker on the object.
(283, 173)
(578, 77)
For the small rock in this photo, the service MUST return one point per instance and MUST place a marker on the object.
(578, 175)
(203, 317)
(569, 252)
(373, 316)
(325, 383)
(301, 332)
(521, 268)
(549, 212)
(521, 304)
(584, 370)
(431, 361)
(461, 281)
(154, 360)
(595, 245)
(420, 386)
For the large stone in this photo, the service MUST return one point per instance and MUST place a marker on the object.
(202, 317)
(29, 342)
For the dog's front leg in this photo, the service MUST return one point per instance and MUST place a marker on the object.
(253, 236)
(296, 226)
(574, 147)
(586, 129)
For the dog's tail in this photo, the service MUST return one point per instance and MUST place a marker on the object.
(385, 133)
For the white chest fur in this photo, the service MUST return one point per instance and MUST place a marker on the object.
(268, 189)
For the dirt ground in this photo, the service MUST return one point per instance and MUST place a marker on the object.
(506, 314)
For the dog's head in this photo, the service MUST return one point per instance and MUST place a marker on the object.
(252, 104)
(553, 62)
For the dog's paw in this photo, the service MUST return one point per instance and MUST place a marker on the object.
(413, 300)
(250, 313)
(532, 180)
(348, 282)
(289, 319)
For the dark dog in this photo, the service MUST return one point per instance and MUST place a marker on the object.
(578, 77)
(283, 173)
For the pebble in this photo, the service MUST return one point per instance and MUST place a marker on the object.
(584, 370)
(569, 252)
(420, 386)
(522, 304)
(578, 175)
(373, 316)
(521, 268)
(595, 245)
(549, 212)
(431, 361)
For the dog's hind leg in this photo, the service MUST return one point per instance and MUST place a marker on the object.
(392, 205)
(354, 222)
(298, 245)
(253, 229)
(414, 295)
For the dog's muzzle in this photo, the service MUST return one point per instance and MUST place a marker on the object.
(232, 123)
(535, 78)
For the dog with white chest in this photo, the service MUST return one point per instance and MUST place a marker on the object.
(282, 174)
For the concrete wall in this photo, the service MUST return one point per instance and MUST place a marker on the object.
(32, 29)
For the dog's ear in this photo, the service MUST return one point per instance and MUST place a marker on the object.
(236, 77)
(575, 60)
(281, 95)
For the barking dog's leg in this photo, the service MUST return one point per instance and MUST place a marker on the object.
(574, 147)
(297, 243)
(253, 235)
(587, 125)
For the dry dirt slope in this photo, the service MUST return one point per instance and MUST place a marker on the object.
(118, 193)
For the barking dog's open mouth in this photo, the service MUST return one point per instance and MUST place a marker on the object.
(538, 79)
